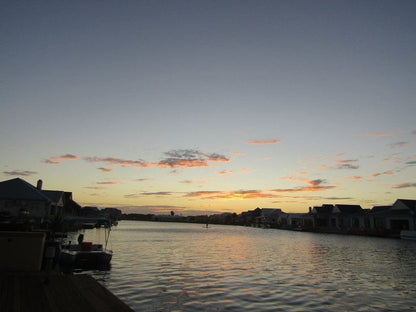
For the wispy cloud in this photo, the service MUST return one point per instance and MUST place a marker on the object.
(105, 170)
(190, 158)
(247, 170)
(142, 180)
(375, 134)
(404, 185)
(310, 182)
(23, 173)
(313, 186)
(156, 193)
(263, 142)
(109, 182)
(95, 187)
(346, 164)
(57, 160)
(225, 172)
(186, 182)
(182, 158)
(240, 194)
(238, 153)
(389, 172)
(401, 144)
(112, 161)
(354, 178)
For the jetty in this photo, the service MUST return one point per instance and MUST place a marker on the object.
(50, 292)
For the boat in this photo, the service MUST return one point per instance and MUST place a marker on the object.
(407, 234)
(85, 255)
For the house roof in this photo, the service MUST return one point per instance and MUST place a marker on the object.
(410, 203)
(270, 211)
(380, 208)
(349, 208)
(55, 196)
(324, 209)
(20, 189)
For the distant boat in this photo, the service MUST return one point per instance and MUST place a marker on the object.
(408, 235)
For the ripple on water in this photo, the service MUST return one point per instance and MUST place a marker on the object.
(185, 267)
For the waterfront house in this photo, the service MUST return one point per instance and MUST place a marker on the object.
(299, 220)
(271, 217)
(19, 198)
(403, 215)
(322, 215)
(379, 218)
(347, 216)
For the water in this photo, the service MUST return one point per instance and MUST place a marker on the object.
(187, 267)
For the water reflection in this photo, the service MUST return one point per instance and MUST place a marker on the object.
(186, 267)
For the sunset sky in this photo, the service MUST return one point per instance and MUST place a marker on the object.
(210, 106)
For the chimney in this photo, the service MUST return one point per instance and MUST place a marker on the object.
(39, 185)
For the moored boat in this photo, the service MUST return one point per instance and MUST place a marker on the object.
(85, 256)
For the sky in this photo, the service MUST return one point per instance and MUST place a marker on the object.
(204, 107)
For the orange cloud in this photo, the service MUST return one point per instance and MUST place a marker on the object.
(354, 178)
(241, 194)
(111, 161)
(105, 169)
(109, 182)
(224, 172)
(238, 153)
(346, 164)
(95, 187)
(316, 188)
(189, 158)
(142, 179)
(375, 134)
(262, 142)
(404, 185)
(183, 163)
(246, 170)
(186, 158)
(57, 160)
(374, 175)
(399, 145)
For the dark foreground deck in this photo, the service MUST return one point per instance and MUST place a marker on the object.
(21, 292)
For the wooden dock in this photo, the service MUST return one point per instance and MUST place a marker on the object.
(33, 292)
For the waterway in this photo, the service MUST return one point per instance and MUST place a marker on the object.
(188, 267)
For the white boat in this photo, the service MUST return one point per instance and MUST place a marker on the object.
(407, 234)
(85, 255)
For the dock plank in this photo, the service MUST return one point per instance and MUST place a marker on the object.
(33, 292)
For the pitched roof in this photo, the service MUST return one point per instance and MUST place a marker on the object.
(410, 203)
(349, 208)
(20, 189)
(324, 209)
(55, 196)
(380, 208)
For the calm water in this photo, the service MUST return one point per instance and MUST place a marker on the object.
(187, 267)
